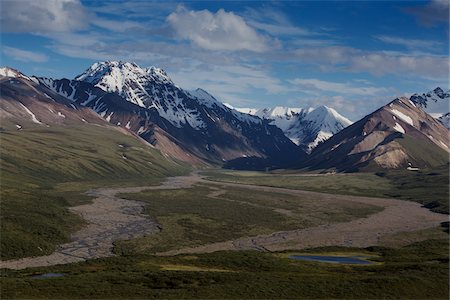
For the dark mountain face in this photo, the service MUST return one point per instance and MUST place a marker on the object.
(148, 103)
(398, 135)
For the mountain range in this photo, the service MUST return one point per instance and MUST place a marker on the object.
(191, 126)
(194, 127)
(305, 127)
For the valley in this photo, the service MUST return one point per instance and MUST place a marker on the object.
(119, 183)
(182, 211)
(316, 223)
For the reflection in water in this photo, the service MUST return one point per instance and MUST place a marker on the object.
(48, 275)
(353, 260)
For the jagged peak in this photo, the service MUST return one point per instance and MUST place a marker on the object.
(119, 72)
(438, 92)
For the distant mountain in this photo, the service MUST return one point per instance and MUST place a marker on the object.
(398, 135)
(305, 127)
(188, 125)
(436, 103)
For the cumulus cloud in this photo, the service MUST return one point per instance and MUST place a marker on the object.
(216, 31)
(24, 55)
(315, 85)
(43, 16)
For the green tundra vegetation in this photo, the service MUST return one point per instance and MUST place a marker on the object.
(204, 214)
(417, 271)
(429, 187)
(46, 169)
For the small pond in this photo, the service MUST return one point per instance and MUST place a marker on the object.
(48, 275)
(352, 260)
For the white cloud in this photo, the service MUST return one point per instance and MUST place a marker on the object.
(43, 16)
(238, 79)
(220, 31)
(379, 63)
(275, 22)
(410, 43)
(376, 62)
(24, 55)
(315, 85)
(117, 26)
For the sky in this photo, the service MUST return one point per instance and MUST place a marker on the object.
(353, 56)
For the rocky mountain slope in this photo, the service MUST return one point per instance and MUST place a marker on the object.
(305, 127)
(436, 103)
(190, 126)
(398, 135)
(24, 100)
(46, 137)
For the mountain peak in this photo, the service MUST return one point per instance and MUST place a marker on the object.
(127, 79)
(10, 72)
(325, 113)
(111, 76)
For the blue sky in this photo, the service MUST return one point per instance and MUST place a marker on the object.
(353, 56)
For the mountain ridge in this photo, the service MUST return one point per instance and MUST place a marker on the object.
(180, 124)
(305, 127)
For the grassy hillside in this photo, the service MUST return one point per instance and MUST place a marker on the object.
(429, 187)
(418, 271)
(44, 169)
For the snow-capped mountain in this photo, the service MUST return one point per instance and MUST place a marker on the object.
(146, 101)
(397, 135)
(305, 127)
(435, 102)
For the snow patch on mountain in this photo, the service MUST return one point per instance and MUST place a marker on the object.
(33, 116)
(402, 116)
(399, 128)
